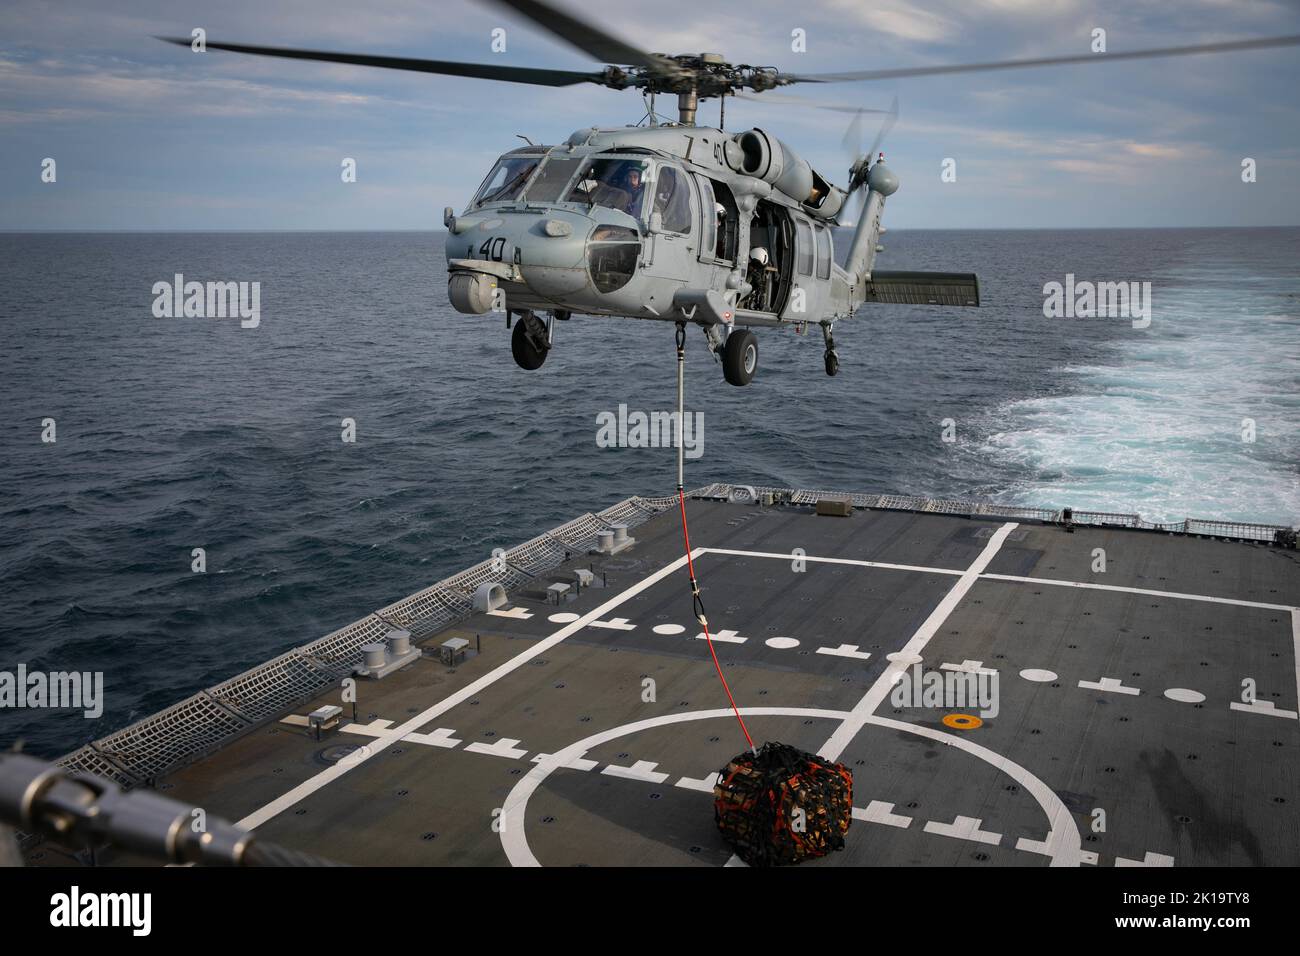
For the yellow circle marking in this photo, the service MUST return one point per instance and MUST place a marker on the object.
(962, 721)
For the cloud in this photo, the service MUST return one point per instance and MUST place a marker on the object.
(261, 139)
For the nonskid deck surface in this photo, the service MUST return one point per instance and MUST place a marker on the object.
(588, 733)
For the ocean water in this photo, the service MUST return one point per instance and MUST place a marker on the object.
(182, 433)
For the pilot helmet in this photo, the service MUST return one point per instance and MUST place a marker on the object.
(760, 254)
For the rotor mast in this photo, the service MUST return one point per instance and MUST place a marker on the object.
(687, 104)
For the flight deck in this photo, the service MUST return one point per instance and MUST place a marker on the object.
(1145, 713)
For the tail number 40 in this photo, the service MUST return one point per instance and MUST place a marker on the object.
(493, 249)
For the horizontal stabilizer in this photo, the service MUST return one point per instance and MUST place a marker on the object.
(923, 288)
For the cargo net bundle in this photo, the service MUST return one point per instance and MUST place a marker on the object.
(782, 805)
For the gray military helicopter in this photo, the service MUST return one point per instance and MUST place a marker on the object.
(677, 221)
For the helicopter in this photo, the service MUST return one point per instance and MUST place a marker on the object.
(676, 221)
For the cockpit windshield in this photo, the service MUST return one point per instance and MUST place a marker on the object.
(613, 183)
(507, 179)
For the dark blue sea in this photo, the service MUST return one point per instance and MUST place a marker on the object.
(182, 433)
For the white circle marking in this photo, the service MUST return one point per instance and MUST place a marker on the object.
(1038, 676)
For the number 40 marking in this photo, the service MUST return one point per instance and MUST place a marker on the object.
(493, 249)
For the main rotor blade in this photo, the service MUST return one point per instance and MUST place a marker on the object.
(1259, 43)
(482, 71)
(778, 98)
(586, 36)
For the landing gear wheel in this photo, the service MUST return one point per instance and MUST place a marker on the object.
(528, 348)
(740, 357)
(832, 362)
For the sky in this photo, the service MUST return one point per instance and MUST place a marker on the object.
(149, 136)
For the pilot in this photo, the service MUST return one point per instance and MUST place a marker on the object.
(720, 217)
(633, 184)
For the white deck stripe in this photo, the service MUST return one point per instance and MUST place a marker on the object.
(878, 691)
(1003, 577)
(362, 754)
(1115, 587)
(808, 557)
(1295, 640)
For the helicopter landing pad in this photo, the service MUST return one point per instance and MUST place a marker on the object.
(1144, 715)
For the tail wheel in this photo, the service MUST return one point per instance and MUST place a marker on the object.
(528, 348)
(832, 362)
(740, 357)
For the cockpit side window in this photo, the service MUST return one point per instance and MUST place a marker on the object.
(673, 200)
(507, 179)
(613, 183)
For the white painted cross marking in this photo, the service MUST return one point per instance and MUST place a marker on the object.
(442, 737)
(505, 747)
(614, 624)
(845, 650)
(1265, 707)
(968, 667)
(577, 763)
(878, 811)
(641, 770)
(964, 828)
(517, 613)
(726, 637)
(702, 784)
(1112, 684)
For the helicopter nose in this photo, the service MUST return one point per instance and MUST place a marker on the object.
(551, 255)
(518, 259)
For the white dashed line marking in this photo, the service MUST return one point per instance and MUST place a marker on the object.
(877, 811)
(642, 770)
(845, 650)
(1112, 684)
(968, 667)
(505, 747)
(1265, 707)
(964, 828)
(726, 637)
(614, 624)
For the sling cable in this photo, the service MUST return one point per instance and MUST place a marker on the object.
(697, 604)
